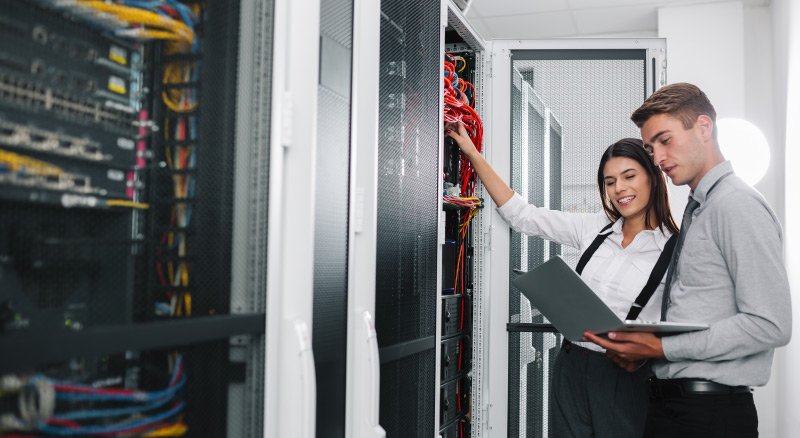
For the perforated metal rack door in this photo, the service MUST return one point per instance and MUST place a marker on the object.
(528, 133)
(407, 215)
(567, 107)
(331, 215)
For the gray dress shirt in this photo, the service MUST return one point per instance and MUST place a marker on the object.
(731, 275)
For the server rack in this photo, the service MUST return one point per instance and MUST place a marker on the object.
(134, 214)
(463, 252)
(424, 331)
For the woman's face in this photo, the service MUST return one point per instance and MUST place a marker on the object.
(627, 186)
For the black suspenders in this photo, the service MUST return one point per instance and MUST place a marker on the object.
(652, 282)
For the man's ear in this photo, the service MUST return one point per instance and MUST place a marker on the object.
(705, 126)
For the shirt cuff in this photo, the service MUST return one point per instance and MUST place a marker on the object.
(676, 347)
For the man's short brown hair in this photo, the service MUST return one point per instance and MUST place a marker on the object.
(682, 101)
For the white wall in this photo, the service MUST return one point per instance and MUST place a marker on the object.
(729, 52)
(705, 48)
(786, 57)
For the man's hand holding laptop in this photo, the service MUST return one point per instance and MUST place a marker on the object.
(629, 350)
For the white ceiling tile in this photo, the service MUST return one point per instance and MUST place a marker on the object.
(597, 4)
(496, 8)
(607, 20)
(544, 25)
(474, 10)
(569, 18)
(483, 30)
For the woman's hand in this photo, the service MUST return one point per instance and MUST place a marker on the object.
(628, 365)
(458, 132)
(497, 188)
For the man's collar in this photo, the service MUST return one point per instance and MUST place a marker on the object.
(700, 193)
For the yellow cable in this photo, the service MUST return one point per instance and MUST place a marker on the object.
(31, 165)
(141, 16)
(177, 72)
(184, 275)
(176, 186)
(178, 429)
(125, 203)
(188, 302)
(464, 61)
(169, 158)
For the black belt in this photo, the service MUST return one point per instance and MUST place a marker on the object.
(680, 387)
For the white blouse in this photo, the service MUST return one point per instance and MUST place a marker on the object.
(616, 274)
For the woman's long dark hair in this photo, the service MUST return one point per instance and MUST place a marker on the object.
(658, 204)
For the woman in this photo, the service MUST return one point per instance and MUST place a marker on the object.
(595, 395)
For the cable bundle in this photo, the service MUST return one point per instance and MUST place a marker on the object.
(180, 158)
(152, 414)
(470, 202)
(145, 20)
(459, 108)
(180, 76)
(474, 204)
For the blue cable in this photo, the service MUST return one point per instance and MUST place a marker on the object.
(96, 430)
(100, 413)
(136, 397)
(163, 306)
(139, 396)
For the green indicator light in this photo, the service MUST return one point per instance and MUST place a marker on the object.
(68, 322)
(18, 316)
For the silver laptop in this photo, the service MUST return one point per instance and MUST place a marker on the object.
(572, 307)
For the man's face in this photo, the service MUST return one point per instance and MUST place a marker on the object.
(679, 152)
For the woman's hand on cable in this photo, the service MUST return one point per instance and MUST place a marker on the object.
(458, 132)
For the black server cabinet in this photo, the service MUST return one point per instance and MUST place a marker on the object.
(458, 250)
(407, 215)
(117, 207)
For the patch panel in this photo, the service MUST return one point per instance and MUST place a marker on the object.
(13, 134)
(26, 171)
(89, 82)
(25, 23)
(64, 182)
(76, 141)
(32, 96)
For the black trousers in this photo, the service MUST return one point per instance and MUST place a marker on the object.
(595, 398)
(702, 416)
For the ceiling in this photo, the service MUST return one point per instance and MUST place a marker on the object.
(531, 19)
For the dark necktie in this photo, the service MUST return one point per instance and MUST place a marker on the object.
(691, 206)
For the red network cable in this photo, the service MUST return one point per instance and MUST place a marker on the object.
(458, 108)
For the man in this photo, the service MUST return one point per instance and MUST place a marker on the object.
(728, 272)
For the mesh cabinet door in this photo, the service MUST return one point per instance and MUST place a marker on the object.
(407, 215)
(584, 100)
(331, 215)
(564, 102)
